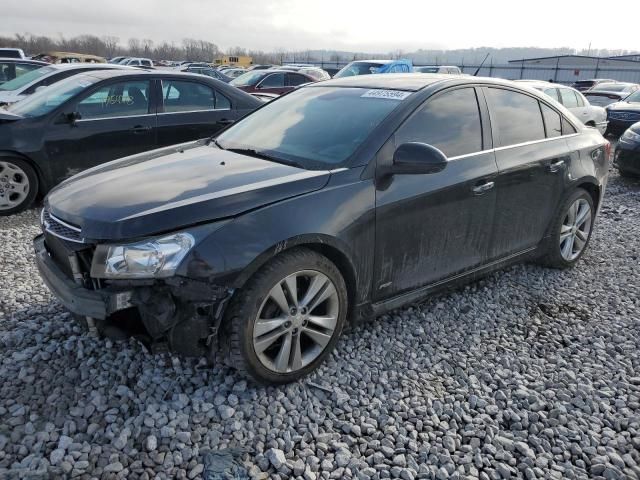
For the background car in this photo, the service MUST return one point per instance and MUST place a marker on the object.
(382, 189)
(270, 81)
(622, 115)
(97, 116)
(583, 85)
(117, 60)
(590, 115)
(623, 88)
(27, 84)
(12, 53)
(234, 72)
(316, 73)
(261, 67)
(136, 62)
(68, 57)
(603, 99)
(627, 155)
(206, 70)
(448, 69)
(366, 67)
(10, 68)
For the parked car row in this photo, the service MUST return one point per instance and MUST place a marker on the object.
(337, 202)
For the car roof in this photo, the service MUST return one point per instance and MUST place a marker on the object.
(21, 60)
(396, 81)
(111, 73)
(85, 65)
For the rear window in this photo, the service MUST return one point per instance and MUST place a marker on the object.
(601, 100)
(516, 115)
(10, 53)
(358, 68)
(19, 82)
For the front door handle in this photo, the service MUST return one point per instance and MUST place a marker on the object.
(225, 121)
(140, 129)
(483, 188)
(556, 166)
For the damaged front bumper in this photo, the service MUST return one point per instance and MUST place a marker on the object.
(185, 314)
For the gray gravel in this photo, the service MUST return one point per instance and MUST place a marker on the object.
(530, 373)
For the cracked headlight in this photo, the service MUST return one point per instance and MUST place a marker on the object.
(153, 258)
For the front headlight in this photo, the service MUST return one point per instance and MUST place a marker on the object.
(630, 136)
(155, 258)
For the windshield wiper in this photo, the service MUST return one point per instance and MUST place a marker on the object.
(215, 142)
(264, 156)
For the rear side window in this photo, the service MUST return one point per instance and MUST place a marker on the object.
(449, 122)
(515, 116)
(294, 79)
(553, 93)
(569, 99)
(552, 121)
(567, 128)
(182, 96)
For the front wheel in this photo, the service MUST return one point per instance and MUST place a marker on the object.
(287, 318)
(570, 231)
(18, 185)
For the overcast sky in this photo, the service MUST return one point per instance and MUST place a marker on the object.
(362, 25)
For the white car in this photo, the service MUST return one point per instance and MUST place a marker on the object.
(590, 115)
(28, 83)
(448, 69)
(136, 62)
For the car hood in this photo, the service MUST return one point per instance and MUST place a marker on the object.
(172, 188)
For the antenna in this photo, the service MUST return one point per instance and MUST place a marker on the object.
(478, 69)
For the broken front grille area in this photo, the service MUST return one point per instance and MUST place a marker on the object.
(59, 228)
(73, 258)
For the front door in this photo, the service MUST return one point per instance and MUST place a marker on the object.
(430, 227)
(273, 83)
(115, 121)
(191, 110)
(532, 161)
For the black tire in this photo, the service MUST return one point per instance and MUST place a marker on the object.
(552, 255)
(32, 178)
(245, 306)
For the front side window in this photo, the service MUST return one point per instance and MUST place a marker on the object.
(449, 121)
(515, 116)
(314, 127)
(180, 96)
(122, 99)
(569, 99)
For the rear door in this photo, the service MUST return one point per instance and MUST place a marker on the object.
(433, 226)
(117, 120)
(532, 159)
(191, 110)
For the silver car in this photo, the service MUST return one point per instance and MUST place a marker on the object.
(590, 115)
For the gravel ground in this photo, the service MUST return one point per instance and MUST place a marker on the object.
(530, 373)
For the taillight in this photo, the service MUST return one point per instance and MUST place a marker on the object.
(607, 150)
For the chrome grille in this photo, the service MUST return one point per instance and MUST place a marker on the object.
(60, 229)
(631, 116)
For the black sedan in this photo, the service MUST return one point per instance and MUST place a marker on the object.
(622, 115)
(627, 155)
(332, 204)
(96, 117)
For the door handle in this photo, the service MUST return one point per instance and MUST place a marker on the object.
(140, 129)
(483, 188)
(556, 166)
(225, 121)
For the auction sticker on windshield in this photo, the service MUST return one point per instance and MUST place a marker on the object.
(388, 94)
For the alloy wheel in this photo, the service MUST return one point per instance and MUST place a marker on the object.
(296, 321)
(14, 185)
(575, 229)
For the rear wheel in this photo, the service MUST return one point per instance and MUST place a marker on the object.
(287, 318)
(18, 185)
(570, 231)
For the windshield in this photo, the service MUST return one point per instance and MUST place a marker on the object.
(26, 79)
(246, 79)
(634, 97)
(358, 68)
(316, 127)
(44, 101)
(601, 100)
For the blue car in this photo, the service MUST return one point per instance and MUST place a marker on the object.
(365, 67)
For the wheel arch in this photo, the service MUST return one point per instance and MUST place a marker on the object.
(593, 189)
(330, 247)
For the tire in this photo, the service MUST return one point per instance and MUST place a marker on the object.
(18, 185)
(259, 330)
(562, 253)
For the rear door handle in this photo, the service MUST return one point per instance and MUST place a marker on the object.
(556, 166)
(140, 129)
(483, 188)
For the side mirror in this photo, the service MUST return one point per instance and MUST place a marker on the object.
(73, 117)
(418, 158)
